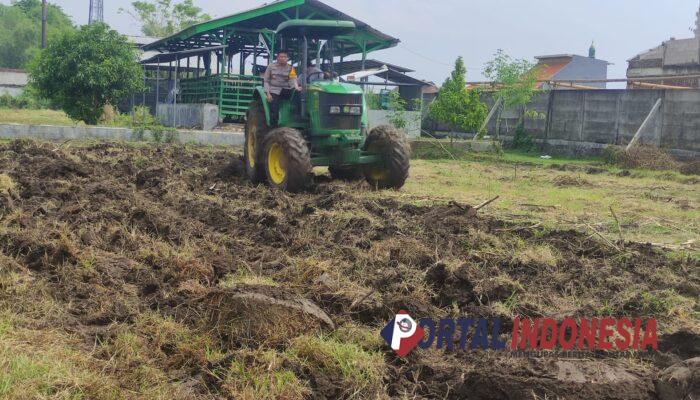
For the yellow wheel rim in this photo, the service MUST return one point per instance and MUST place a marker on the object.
(251, 146)
(378, 173)
(275, 164)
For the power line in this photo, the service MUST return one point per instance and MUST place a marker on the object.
(432, 59)
(424, 57)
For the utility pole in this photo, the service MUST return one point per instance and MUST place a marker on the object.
(96, 11)
(43, 24)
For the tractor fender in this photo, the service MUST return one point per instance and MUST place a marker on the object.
(260, 94)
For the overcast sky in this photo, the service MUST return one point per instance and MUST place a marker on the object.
(434, 32)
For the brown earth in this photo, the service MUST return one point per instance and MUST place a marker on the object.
(112, 232)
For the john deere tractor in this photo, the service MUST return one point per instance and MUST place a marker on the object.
(323, 125)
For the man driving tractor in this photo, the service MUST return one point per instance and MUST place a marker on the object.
(279, 76)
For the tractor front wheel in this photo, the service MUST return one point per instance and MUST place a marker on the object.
(287, 160)
(255, 130)
(391, 145)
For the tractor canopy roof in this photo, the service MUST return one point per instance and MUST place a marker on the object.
(317, 29)
(248, 27)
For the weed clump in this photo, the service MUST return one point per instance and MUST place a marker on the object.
(570, 180)
(648, 157)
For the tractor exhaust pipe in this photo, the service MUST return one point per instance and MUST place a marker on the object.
(304, 71)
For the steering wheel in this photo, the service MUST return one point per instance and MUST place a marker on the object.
(321, 74)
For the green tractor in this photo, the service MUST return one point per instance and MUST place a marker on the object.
(323, 125)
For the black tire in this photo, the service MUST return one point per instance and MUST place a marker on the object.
(292, 155)
(393, 147)
(348, 173)
(255, 131)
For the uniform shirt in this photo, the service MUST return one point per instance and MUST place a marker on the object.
(278, 77)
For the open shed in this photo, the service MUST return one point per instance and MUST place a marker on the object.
(208, 50)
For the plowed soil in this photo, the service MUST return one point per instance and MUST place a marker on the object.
(109, 232)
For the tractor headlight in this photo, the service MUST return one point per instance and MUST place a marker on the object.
(334, 110)
(355, 110)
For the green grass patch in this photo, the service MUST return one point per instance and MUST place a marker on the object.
(559, 196)
(262, 376)
(430, 149)
(45, 364)
(34, 117)
(348, 365)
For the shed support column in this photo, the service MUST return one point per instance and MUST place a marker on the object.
(243, 57)
(364, 58)
(157, 86)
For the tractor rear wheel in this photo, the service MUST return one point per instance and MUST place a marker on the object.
(255, 131)
(287, 160)
(346, 173)
(391, 144)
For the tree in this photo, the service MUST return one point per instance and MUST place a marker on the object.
(85, 70)
(515, 79)
(160, 18)
(457, 106)
(20, 30)
(516, 82)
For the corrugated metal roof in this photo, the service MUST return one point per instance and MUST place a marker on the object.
(546, 72)
(269, 16)
(395, 73)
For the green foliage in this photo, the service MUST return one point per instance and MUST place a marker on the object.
(516, 80)
(161, 18)
(20, 30)
(397, 110)
(522, 140)
(85, 70)
(141, 121)
(373, 101)
(27, 100)
(457, 106)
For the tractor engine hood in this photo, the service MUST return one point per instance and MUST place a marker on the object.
(335, 87)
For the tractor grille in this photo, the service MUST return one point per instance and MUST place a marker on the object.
(339, 121)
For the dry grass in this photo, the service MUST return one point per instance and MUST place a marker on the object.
(536, 254)
(648, 157)
(6, 183)
(245, 277)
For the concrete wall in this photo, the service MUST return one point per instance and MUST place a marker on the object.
(585, 121)
(381, 117)
(12, 81)
(51, 132)
(190, 116)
